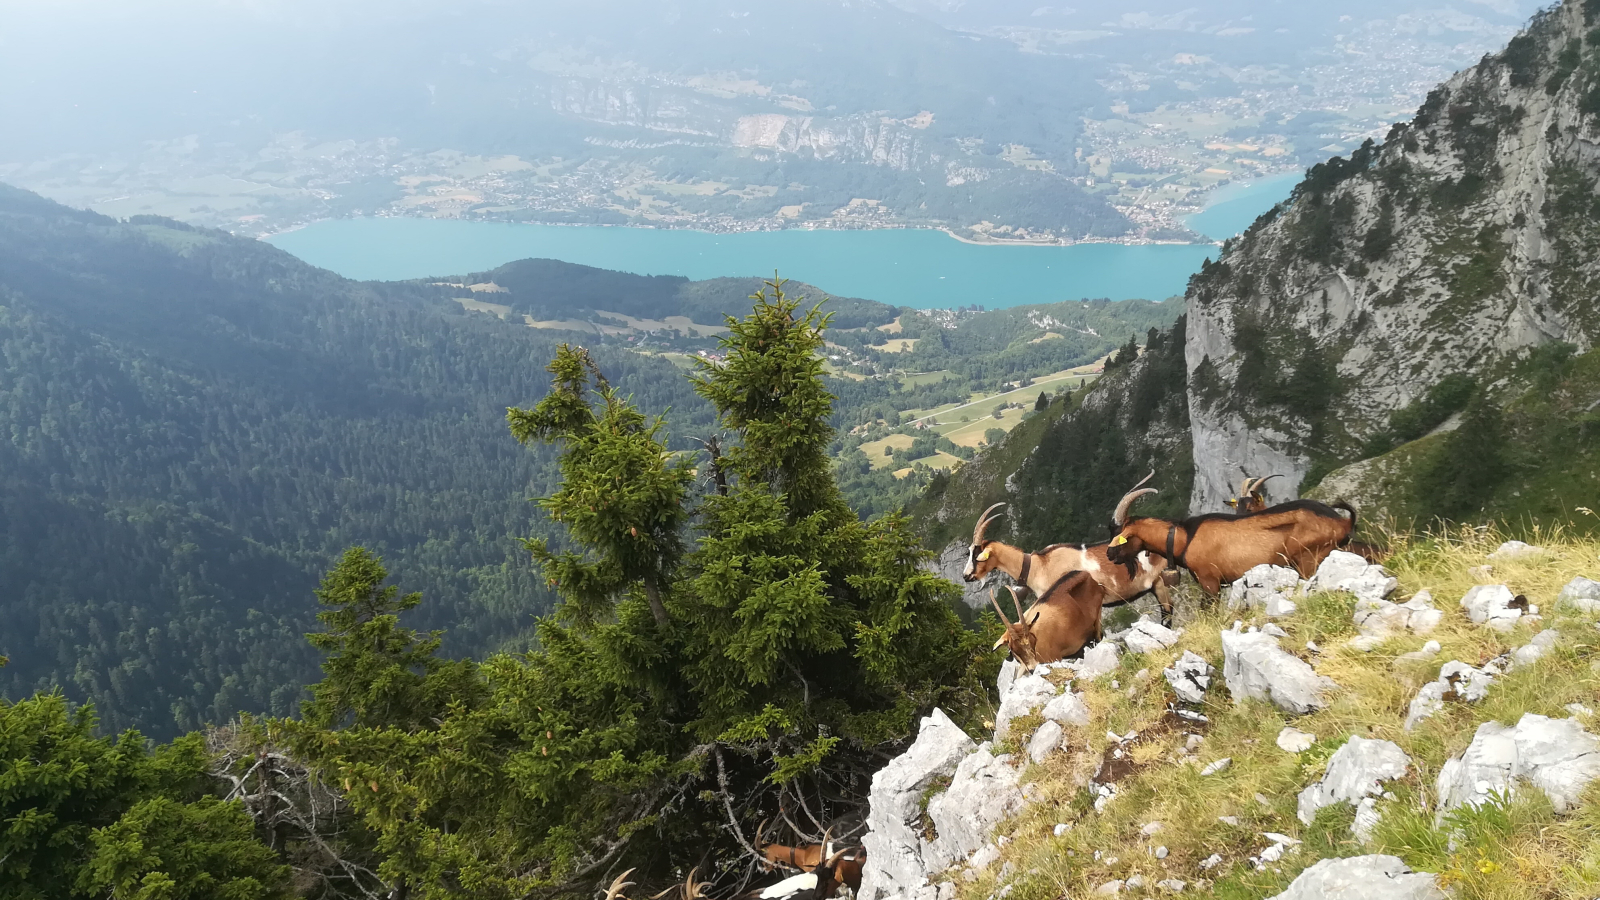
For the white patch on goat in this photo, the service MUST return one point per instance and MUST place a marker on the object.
(972, 561)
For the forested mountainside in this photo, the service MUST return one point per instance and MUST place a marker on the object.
(551, 289)
(1413, 329)
(197, 424)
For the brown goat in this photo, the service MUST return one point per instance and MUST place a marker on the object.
(1252, 495)
(1220, 547)
(1039, 570)
(1064, 621)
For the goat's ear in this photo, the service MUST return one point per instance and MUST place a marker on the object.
(1033, 621)
(1000, 643)
(984, 556)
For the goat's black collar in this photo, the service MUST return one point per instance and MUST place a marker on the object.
(1027, 563)
(1172, 536)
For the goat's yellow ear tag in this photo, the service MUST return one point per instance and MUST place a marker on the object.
(1119, 540)
(984, 556)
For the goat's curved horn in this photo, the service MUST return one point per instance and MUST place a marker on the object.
(983, 522)
(1262, 482)
(1016, 600)
(1145, 480)
(618, 885)
(993, 598)
(1119, 518)
(1244, 486)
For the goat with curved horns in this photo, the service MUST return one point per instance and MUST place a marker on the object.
(1252, 495)
(1043, 568)
(1221, 547)
(1064, 621)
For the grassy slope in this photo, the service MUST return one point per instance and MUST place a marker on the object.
(1521, 850)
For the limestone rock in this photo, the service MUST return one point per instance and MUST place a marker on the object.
(1293, 740)
(1189, 676)
(1363, 878)
(1336, 568)
(982, 793)
(1025, 695)
(1255, 667)
(1539, 646)
(1581, 594)
(1009, 670)
(1097, 660)
(1356, 771)
(1265, 587)
(1456, 681)
(896, 854)
(1515, 550)
(1555, 755)
(1490, 604)
(1148, 637)
(1068, 709)
(1044, 741)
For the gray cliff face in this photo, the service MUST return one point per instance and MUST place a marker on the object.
(1464, 237)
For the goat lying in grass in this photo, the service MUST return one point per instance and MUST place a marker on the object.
(1043, 568)
(1064, 621)
(1220, 547)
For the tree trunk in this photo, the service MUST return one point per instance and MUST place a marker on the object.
(658, 609)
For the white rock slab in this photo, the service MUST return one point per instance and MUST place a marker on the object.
(1068, 709)
(1148, 637)
(1515, 550)
(1255, 667)
(1356, 771)
(1554, 755)
(1363, 878)
(983, 792)
(1097, 660)
(1026, 694)
(1581, 594)
(1456, 681)
(1045, 741)
(1293, 740)
(1265, 587)
(896, 860)
(1490, 604)
(1190, 676)
(1539, 646)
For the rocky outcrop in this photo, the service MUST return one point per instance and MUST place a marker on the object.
(1255, 667)
(1267, 588)
(1493, 605)
(1554, 755)
(898, 858)
(1363, 878)
(983, 793)
(1457, 681)
(1464, 237)
(1189, 677)
(1355, 775)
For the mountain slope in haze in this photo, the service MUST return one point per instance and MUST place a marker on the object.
(196, 424)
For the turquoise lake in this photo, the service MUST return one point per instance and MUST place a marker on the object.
(906, 267)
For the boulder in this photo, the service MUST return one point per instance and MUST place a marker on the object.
(1265, 587)
(1189, 676)
(1148, 637)
(1009, 670)
(1456, 681)
(1363, 878)
(896, 854)
(1376, 617)
(983, 792)
(1356, 772)
(1293, 740)
(1490, 604)
(1554, 755)
(1254, 666)
(1044, 741)
(1067, 709)
(1336, 568)
(1515, 550)
(1025, 694)
(1581, 594)
(1097, 660)
(1539, 646)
